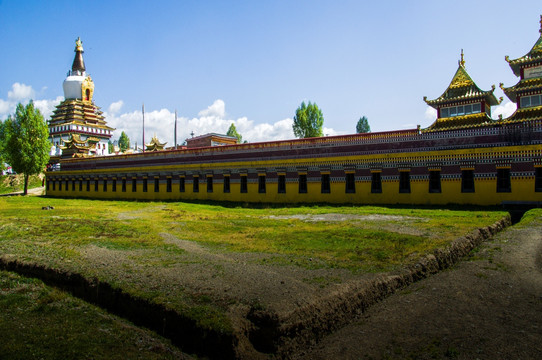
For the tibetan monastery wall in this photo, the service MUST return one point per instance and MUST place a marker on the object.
(483, 166)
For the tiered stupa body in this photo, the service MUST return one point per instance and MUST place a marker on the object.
(527, 93)
(77, 126)
(463, 104)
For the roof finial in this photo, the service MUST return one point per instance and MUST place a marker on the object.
(462, 61)
(78, 44)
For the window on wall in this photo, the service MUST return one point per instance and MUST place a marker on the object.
(60, 185)
(156, 185)
(302, 183)
(261, 184)
(467, 181)
(96, 185)
(460, 110)
(350, 183)
(376, 182)
(503, 180)
(404, 182)
(434, 181)
(47, 185)
(73, 185)
(195, 184)
(181, 184)
(209, 184)
(530, 101)
(538, 179)
(226, 184)
(114, 185)
(326, 184)
(88, 184)
(105, 185)
(282, 184)
(145, 183)
(54, 184)
(80, 184)
(123, 185)
(168, 184)
(244, 185)
(134, 184)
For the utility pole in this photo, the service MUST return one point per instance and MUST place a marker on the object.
(143, 112)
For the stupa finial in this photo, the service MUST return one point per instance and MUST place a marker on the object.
(78, 44)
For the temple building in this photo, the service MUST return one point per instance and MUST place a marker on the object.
(211, 139)
(464, 157)
(527, 93)
(77, 126)
(155, 145)
(463, 104)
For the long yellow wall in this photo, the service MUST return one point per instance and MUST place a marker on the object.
(522, 187)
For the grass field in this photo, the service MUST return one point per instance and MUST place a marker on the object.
(130, 246)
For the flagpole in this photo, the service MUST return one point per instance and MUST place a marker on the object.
(175, 129)
(143, 112)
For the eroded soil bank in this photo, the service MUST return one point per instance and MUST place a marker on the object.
(488, 306)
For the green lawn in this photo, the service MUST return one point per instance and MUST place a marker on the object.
(137, 259)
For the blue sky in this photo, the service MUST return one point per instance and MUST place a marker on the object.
(253, 62)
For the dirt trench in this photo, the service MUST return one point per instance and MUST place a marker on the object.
(182, 331)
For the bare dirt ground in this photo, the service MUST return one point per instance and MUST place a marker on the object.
(33, 191)
(489, 306)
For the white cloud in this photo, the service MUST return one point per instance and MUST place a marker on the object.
(430, 113)
(115, 107)
(5, 107)
(217, 109)
(21, 92)
(210, 120)
(505, 110)
(46, 107)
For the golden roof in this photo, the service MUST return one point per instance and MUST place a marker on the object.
(525, 85)
(76, 109)
(75, 142)
(523, 115)
(460, 122)
(533, 56)
(462, 88)
(155, 144)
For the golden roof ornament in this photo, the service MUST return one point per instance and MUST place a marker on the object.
(78, 44)
(462, 61)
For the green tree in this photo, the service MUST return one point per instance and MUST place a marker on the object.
(308, 121)
(363, 125)
(124, 142)
(2, 140)
(232, 131)
(110, 147)
(26, 141)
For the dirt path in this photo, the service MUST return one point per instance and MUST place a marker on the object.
(488, 306)
(33, 191)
